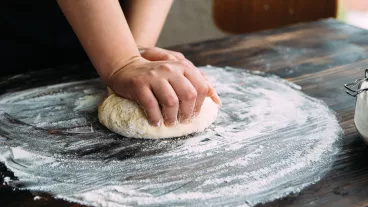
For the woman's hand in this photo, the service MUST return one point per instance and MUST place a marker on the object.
(159, 83)
(174, 88)
(159, 54)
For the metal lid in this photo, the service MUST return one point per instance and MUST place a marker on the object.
(353, 89)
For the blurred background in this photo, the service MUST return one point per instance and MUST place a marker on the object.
(193, 20)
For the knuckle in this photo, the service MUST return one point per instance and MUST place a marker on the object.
(166, 56)
(138, 81)
(186, 66)
(165, 67)
(203, 89)
(152, 73)
(148, 103)
(171, 101)
(178, 54)
(183, 62)
(190, 95)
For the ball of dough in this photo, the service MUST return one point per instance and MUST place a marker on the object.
(127, 118)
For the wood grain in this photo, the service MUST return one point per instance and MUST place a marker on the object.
(319, 56)
(242, 16)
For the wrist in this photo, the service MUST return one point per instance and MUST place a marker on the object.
(108, 74)
(116, 75)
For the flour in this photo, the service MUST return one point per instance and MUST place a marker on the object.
(37, 198)
(268, 141)
(6, 180)
(87, 103)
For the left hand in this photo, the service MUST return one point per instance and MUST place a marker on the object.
(159, 54)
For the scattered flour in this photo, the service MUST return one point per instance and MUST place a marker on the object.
(37, 198)
(268, 141)
(6, 180)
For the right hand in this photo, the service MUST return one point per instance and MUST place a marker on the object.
(175, 85)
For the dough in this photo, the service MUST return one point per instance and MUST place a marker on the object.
(127, 118)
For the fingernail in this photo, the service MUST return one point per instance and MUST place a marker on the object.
(173, 123)
(219, 102)
(141, 50)
(189, 119)
(156, 124)
(186, 121)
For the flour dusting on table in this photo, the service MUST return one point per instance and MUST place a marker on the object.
(269, 140)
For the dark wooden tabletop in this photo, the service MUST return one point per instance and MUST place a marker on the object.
(319, 56)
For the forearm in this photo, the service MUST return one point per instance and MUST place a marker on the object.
(146, 19)
(103, 31)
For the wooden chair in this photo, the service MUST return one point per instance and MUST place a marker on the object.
(241, 16)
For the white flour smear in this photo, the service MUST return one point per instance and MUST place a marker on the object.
(269, 140)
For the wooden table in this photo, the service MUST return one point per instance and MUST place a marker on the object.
(319, 56)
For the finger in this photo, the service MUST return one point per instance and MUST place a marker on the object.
(211, 90)
(204, 75)
(187, 95)
(178, 55)
(213, 95)
(157, 54)
(148, 102)
(168, 100)
(199, 83)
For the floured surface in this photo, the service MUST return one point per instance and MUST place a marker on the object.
(269, 140)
